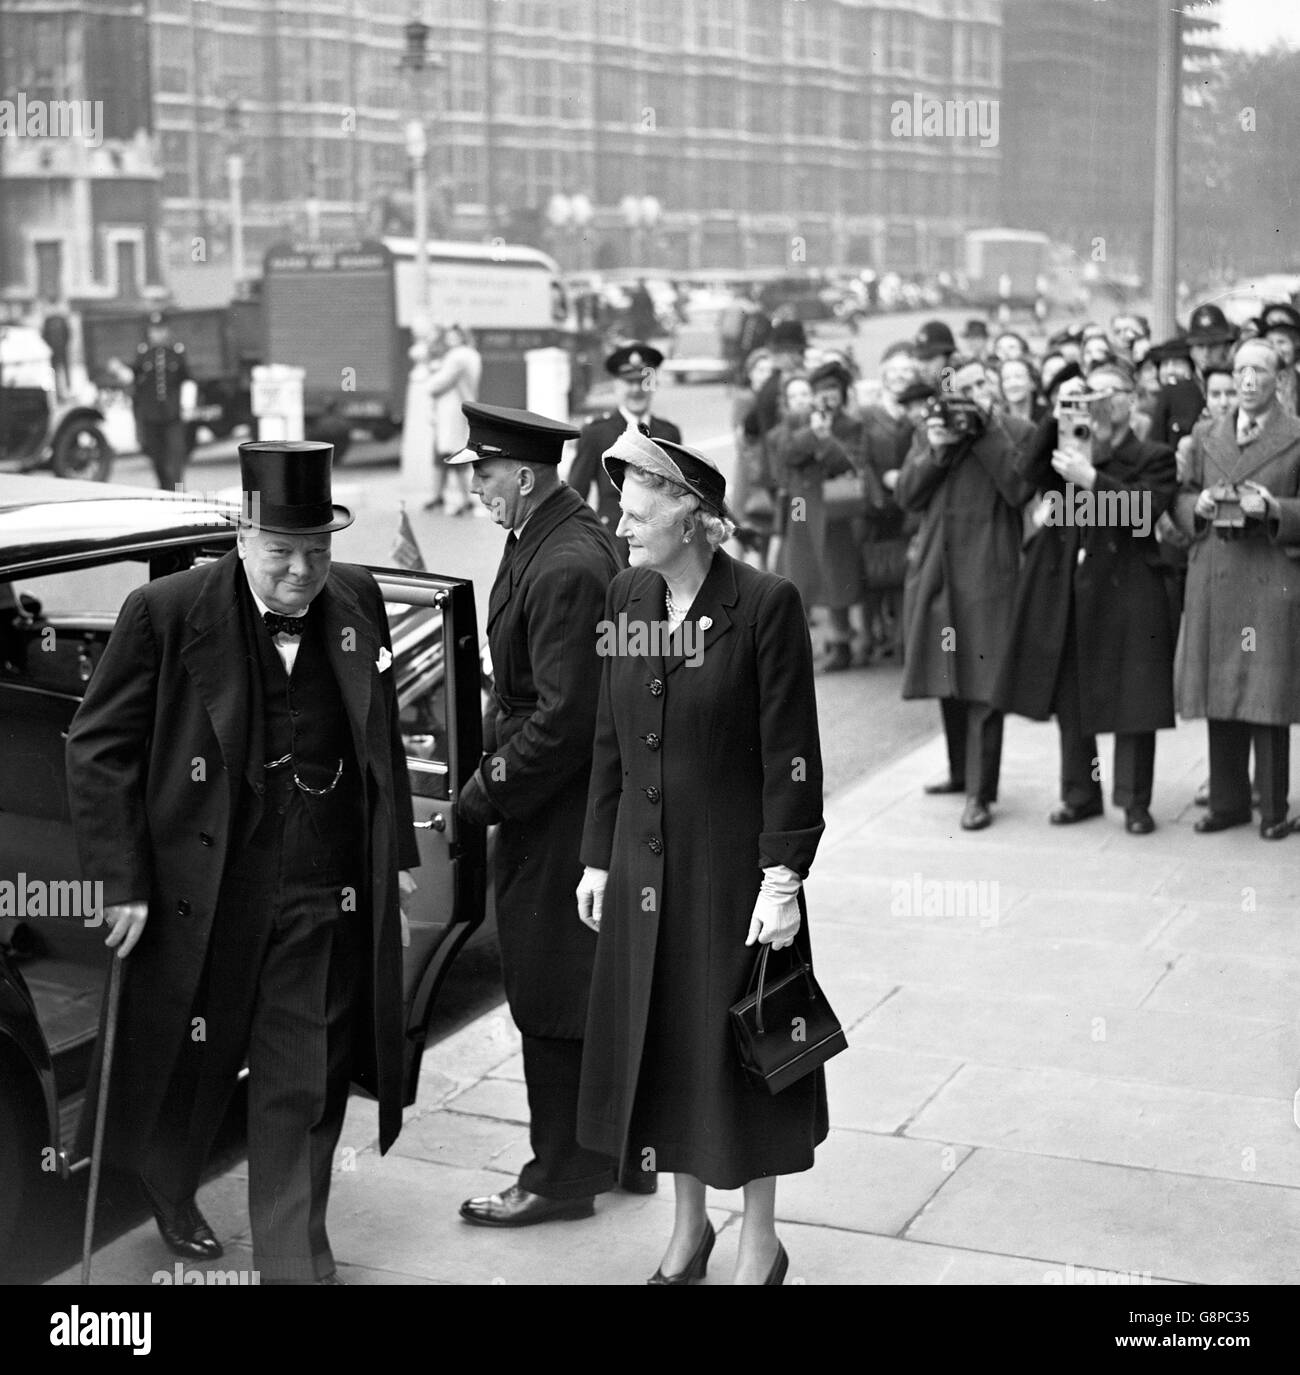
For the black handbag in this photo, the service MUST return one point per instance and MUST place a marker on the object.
(784, 1027)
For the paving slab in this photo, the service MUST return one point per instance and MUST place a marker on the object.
(506, 1099)
(878, 1090)
(1118, 1219)
(1256, 987)
(1085, 1117)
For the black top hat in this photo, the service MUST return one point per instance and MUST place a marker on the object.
(1209, 325)
(505, 432)
(788, 335)
(1280, 316)
(287, 487)
(699, 475)
(934, 340)
(833, 372)
(632, 360)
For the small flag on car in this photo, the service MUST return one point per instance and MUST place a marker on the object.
(405, 553)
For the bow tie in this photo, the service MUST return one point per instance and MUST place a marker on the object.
(284, 625)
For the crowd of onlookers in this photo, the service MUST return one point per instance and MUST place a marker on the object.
(930, 498)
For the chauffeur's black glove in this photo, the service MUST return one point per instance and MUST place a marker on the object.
(475, 805)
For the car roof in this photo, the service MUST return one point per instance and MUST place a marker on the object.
(47, 523)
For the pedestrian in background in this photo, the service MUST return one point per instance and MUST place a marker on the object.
(160, 371)
(1238, 660)
(455, 380)
(755, 490)
(703, 818)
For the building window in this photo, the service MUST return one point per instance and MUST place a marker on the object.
(717, 102)
(715, 24)
(982, 50)
(329, 81)
(855, 40)
(762, 36)
(901, 47)
(935, 48)
(332, 168)
(467, 172)
(465, 86)
(810, 112)
(241, 62)
(173, 59)
(174, 150)
(615, 19)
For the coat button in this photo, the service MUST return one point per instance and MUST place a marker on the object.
(652, 741)
(652, 794)
(183, 907)
(204, 838)
(656, 687)
(656, 845)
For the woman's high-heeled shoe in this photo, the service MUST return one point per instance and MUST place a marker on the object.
(698, 1265)
(776, 1275)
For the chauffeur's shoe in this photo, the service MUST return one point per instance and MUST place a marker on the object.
(1220, 821)
(1138, 822)
(944, 786)
(1275, 830)
(517, 1207)
(184, 1229)
(1068, 813)
(976, 816)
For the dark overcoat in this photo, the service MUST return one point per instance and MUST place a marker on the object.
(543, 630)
(962, 564)
(801, 463)
(156, 755)
(1239, 652)
(1124, 633)
(596, 437)
(703, 774)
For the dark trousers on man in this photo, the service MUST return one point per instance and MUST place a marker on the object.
(1230, 743)
(278, 989)
(973, 731)
(164, 442)
(560, 1167)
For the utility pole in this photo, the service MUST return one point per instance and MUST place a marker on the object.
(1164, 221)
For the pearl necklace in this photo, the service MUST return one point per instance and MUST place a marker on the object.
(673, 613)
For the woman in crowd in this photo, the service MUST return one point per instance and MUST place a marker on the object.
(1018, 388)
(699, 833)
(754, 501)
(455, 379)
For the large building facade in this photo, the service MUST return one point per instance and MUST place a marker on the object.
(670, 133)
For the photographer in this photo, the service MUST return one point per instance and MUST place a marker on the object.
(960, 474)
(1092, 639)
(1238, 657)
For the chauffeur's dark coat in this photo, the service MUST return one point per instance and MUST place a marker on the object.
(156, 754)
(597, 436)
(701, 776)
(1122, 623)
(543, 619)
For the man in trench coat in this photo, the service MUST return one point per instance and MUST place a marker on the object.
(960, 586)
(1092, 640)
(238, 782)
(1239, 652)
(543, 616)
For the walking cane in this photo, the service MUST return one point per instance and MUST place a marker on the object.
(101, 1112)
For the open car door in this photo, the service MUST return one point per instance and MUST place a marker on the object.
(436, 658)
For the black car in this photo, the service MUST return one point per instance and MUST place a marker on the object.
(69, 554)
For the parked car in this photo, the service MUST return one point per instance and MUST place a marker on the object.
(37, 430)
(69, 554)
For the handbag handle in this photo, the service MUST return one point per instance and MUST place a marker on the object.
(760, 972)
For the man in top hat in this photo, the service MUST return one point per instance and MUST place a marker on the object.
(238, 782)
(634, 368)
(159, 369)
(543, 616)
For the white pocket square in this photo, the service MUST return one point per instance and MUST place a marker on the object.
(385, 660)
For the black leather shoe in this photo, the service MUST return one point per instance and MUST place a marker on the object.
(1220, 821)
(634, 1181)
(779, 1266)
(184, 1229)
(698, 1265)
(976, 816)
(1274, 830)
(945, 785)
(1067, 813)
(518, 1208)
(1202, 795)
(1138, 822)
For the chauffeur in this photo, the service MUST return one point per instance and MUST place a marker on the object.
(543, 615)
(238, 782)
(634, 368)
(160, 368)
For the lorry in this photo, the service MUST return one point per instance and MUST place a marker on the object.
(1006, 268)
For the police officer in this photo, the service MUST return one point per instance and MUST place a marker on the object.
(160, 368)
(634, 369)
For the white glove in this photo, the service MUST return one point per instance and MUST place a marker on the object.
(776, 916)
(591, 896)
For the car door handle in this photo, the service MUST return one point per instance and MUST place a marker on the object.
(437, 822)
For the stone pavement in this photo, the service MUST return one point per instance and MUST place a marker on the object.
(1073, 1064)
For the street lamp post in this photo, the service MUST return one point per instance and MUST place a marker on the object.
(235, 176)
(416, 61)
(640, 214)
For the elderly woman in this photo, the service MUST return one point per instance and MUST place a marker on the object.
(703, 817)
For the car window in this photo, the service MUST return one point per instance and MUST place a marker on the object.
(418, 652)
(99, 591)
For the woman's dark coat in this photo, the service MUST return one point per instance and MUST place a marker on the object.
(801, 463)
(962, 564)
(1124, 634)
(543, 618)
(1239, 653)
(701, 776)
